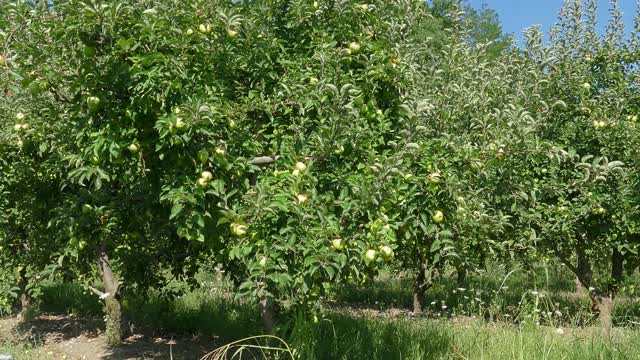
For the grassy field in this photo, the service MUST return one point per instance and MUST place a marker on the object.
(497, 315)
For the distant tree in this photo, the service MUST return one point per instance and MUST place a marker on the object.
(483, 24)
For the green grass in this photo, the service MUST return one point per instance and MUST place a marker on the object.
(499, 314)
(509, 295)
(374, 338)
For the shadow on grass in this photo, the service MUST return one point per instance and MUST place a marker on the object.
(202, 312)
(548, 294)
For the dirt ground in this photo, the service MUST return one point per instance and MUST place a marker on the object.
(69, 338)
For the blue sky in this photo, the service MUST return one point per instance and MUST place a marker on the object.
(516, 15)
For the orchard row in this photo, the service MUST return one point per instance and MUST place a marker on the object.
(302, 145)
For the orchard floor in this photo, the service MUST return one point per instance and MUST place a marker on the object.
(496, 315)
(67, 337)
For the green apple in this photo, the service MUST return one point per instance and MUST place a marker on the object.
(82, 244)
(232, 33)
(337, 244)
(300, 166)
(180, 124)
(438, 217)
(477, 165)
(207, 176)
(86, 209)
(203, 183)
(316, 5)
(302, 198)
(602, 123)
(263, 262)
(386, 252)
(204, 28)
(189, 31)
(238, 229)
(435, 178)
(93, 102)
(370, 255)
(133, 148)
(95, 160)
(354, 47)
(220, 151)
(313, 80)
(25, 126)
(203, 156)
(231, 124)
(17, 127)
(20, 116)
(586, 86)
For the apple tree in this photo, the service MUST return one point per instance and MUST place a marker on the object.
(575, 178)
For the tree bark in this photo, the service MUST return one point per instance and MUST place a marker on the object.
(462, 276)
(617, 272)
(420, 287)
(580, 290)
(603, 307)
(113, 310)
(26, 301)
(265, 307)
(583, 268)
(601, 302)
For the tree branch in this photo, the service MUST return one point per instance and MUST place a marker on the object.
(264, 160)
(98, 292)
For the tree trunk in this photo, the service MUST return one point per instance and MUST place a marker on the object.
(462, 276)
(603, 308)
(583, 268)
(580, 290)
(113, 310)
(26, 301)
(419, 288)
(601, 302)
(617, 272)
(266, 313)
